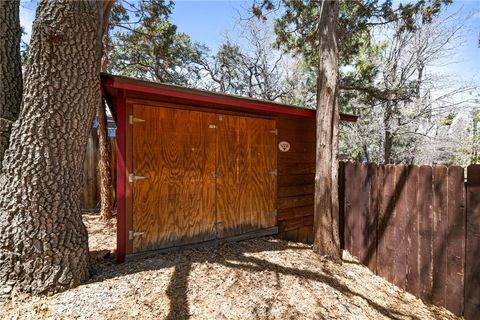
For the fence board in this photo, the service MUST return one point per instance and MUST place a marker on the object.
(370, 258)
(348, 194)
(341, 202)
(385, 231)
(424, 200)
(353, 206)
(90, 196)
(455, 240)
(426, 228)
(412, 236)
(361, 237)
(90, 191)
(440, 227)
(400, 224)
(472, 269)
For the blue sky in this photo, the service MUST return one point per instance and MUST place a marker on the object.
(207, 22)
(203, 21)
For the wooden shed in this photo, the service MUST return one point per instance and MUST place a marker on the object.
(196, 166)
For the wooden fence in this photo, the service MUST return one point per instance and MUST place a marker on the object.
(418, 227)
(90, 198)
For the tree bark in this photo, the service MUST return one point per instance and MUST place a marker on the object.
(388, 137)
(43, 242)
(104, 165)
(387, 147)
(10, 70)
(104, 159)
(326, 218)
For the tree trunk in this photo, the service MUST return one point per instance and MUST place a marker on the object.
(388, 137)
(104, 159)
(104, 167)
(326, 219)
(43, 242)
(10, 70)
(387, 147)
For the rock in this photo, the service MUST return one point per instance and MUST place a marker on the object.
(7, 289)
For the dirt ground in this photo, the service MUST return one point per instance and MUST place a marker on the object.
(257, 279)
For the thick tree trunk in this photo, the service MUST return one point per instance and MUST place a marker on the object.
(10, 70)
(43, 242)
(326, 219)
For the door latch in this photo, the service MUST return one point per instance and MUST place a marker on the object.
(132, 234)
(132, 177)
(132, 119)
(216, 174)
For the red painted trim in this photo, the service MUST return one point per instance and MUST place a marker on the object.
(216, 100)
(121, 176)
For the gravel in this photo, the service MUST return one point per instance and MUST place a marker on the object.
(258, 279)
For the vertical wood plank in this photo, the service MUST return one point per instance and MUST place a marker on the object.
(370, 258)
(90, 189)
(472, 270)
(361, 223)
(350, 171)
(341, 202)
(440, 228)
(424, 200)
(378, 236)
(355, 209)
(455, 240)
(413, 270)
(400, 224)
(385, 234)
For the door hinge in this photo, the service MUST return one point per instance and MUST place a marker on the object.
(132, 119)
(132, 234)
(132, 177)
(274, 131)
(274, 212)
(274, 172)
(212, 126)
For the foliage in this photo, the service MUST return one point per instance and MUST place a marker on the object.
(297, 28)
(385, 55)
(252, 67)
(228, 69)
(146, 45)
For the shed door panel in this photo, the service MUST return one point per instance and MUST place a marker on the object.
(175, 151)
(246, 188)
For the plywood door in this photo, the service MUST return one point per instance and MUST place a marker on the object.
(175, 151)
(246, 187)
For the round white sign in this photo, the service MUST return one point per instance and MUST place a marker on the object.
(284, 146)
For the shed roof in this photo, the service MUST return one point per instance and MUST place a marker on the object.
(136, 88)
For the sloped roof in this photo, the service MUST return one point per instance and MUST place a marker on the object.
(136, 88)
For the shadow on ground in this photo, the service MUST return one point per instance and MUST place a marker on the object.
(234, 256)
